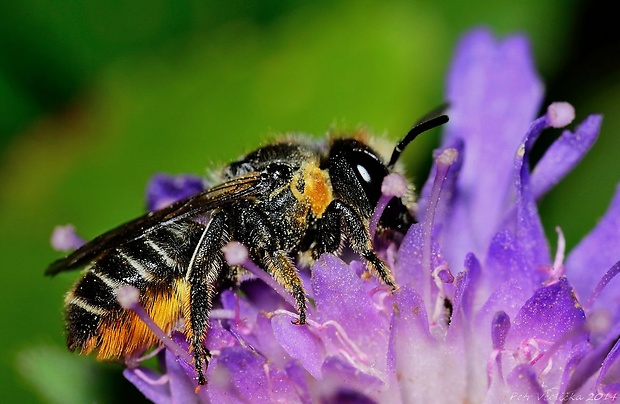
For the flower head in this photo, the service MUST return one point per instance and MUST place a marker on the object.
(163, 189)
(483, 312)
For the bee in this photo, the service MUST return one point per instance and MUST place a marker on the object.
(284, 200)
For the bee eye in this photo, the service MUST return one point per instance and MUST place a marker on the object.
(365, 165)
(369, 172)
(356, 171)
(363, 173)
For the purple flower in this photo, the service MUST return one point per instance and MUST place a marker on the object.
(485, 312)
(163, 189)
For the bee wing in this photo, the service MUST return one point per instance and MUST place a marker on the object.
(193, 206)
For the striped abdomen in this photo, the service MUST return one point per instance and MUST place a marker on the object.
(156, 264)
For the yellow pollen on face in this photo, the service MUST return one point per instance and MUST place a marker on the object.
(316, 189)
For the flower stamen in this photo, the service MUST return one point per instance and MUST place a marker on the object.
(443, 162)
(528, 351)
(222, 314)
(348, 348)
(609, 275)
(560, 114)
(556, 271)
(379, 294)
(236, 253)
(441, 275)
(237, 336)
(65, 238)
(547, 368)
(270, 390)
(393, 186)
(149, 355)
(161, 380)
(348, 345)
(129, 298)
(499, 332)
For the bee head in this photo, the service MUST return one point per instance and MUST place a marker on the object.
(357, 172)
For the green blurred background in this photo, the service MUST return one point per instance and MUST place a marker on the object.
(95, 97)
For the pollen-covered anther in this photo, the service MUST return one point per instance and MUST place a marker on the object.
(128, 297)
(394, 185)
(65, 238)
(235, 253)
(447, 157)
(560, 114)
(599, 322)
(445, 276)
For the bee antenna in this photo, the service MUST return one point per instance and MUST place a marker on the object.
(426, 124)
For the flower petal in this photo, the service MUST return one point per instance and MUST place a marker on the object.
(262, 296)
(601, 358)
(531, 239)
(164, 189)
(346, 301)
(494, 93)
(545, 331)
(298, 376)
(463, 298)
(182, 379)
(347, 395)
(564, 154)
(509, 297)
(412, 268)
(595, 254)
(471, 292)
(505, 261)
(146, 380)
(499, 329)
(609, 377)
(182, 375)
(579, 367)
(300, 343)
(419, 360)
(239, 374)
(548, 315)
(524, 385)
(342, 380)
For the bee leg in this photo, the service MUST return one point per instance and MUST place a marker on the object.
(205, 269)
(338, 215)
(284, 272)
(257, 233)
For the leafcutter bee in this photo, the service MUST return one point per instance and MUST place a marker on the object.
(284, 200)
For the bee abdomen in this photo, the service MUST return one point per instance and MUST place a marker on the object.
(83, 320)
(156, 265)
